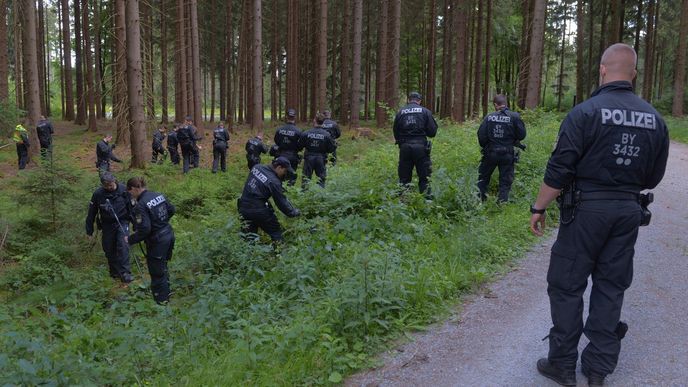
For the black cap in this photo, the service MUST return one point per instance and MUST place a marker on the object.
(291, 113)
(415, 95)
(107, 177)
(283, 162)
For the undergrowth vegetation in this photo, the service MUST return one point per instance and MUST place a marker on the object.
(363, 264)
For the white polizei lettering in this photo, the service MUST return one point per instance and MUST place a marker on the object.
(505, 119)
(411, 110)
(259, 175)
(628, 118)
(156, 201)
(317, 136)
(287, 132)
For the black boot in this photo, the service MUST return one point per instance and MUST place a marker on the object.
(561, 376)
(594, 379)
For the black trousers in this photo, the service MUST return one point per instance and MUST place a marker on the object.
(159, 151)
(252, 161)
(503, 160)
(159, 251)
(220, 155)
(294, 160)
(22, 155)
(46, 150)
(116, 251)
(187, 156)
(314, 162)
(415, 154)
(174, 155)
(263, 218)
(196, 159)
(599, 242)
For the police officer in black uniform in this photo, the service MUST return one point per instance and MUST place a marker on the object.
(109, 209)
(158, 148)
(220, 145)
(413, 124)
(186, 138)
(263, 182)
(104, 154)
(151, 215)
(497, 135)
(287, 142)
(331, 126)
(254, 148)
(195, 149)
(45, 131)
(609, 148)
(317, 143)
(173, 145)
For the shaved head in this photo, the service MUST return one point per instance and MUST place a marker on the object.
(618, 63)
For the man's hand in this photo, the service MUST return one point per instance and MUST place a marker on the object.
(537, 224)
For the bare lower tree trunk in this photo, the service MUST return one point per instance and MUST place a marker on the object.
(228, 65)
(458, 109)
(478, 66)
(135, 86)
(488, 53)
(393, 62)
(321, 87)
(581, 79)
(562, 52)
(78, 51)
(18, 56)
(4, 69)
(680, 77)
(257, 47)
(31, 81)
(195, 50)
(120, 103)
(180, 89)
(163, 63)
(40, 34)
(67, 57)
(429, 96)
(98, 91)
(381, 70)
(356, 70)
(648, 67)
(90, 101)
(535, 69)
(292, 55)
(524, 62)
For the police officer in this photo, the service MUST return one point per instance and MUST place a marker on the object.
(151, 215)
(104, 154)
(413, 124)
(21, 140)
(331, 126)
(317, 143)
(109, 208)
(497, 135)
(263, 182)
(611, 146)
(186, 138)
(158, 148)
(287, 141)
(195, 149)
(173, 145)
(45, 137)
(254, 148)
(220, 144)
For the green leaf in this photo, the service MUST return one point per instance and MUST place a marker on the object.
(335, 377)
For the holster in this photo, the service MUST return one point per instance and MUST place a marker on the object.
(428, 146)
(568, 200)
(645, 200)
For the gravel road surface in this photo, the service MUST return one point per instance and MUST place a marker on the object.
(495, 337)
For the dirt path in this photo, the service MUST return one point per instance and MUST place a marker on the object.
(497, 337)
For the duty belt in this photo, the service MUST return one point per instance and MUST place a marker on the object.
(412, 140)
(609, 195)
(252, 205)
(309, 153)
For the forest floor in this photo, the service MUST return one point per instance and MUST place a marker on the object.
(495, 337)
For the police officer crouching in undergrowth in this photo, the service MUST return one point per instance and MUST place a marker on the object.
(263, 182)
(157, 147)
(151, 215)
(109, 209)
(317, 143)
(609, 148)
(254, 148)
(413, 124)
(499, 132)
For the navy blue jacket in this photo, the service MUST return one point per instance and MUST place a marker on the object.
(332, 127)
(45, 133)
(287, 138)
(254, 147)
(119, 202)
(501, 128)
(261, 184)
(158, 138)
(317, 140)
(104, 152)
(172, 141)
(151, 216)
(414, 122)
(220, 137)
(614, 141)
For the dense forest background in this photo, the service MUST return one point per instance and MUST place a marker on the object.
(135, 63)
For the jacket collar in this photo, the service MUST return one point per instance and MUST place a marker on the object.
(613, 86)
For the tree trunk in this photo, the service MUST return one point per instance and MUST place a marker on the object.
(274, 64)
(292, 55)
(488, 46)
(61, 56)
(67, 58)
(560, 81)
(431, 72)
(536, 50)
(458, 106)
(180, 78)
(447, 59)
(478, 67)
(524, 63)
(121, 102)
(616, 28)
(33, 103)
(197, 87)
(381, 70)
(345, 76)
(4, 69)
(393, 61)
(368, 64)
(147, 57)
(581, 78)
(99, 82)
(135, 85)
(321, 88)
(229, 64)
(18, 55)
(648, 67)
(257, 47)
(90, 101)
(40, 40)
(356, 70)
(163, 63)
(78, 51)
(638, 28)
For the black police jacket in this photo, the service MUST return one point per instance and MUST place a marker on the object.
(287, 138)
(261, 184)
(45, 132)
(172, 141)
(317, 140)
(332, 127)
(104, 152)
(501, 128)
(254, 147)
(158, 138)
(614, 141)
(151, 216)
(412, 122)
(220, 136)
(185, 135)
(119, 203)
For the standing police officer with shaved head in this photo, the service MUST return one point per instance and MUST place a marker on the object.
(497, 135)
(609, 148)
(413, 124)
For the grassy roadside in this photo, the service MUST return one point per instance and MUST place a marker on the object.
(362, 265)
(678, 128)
